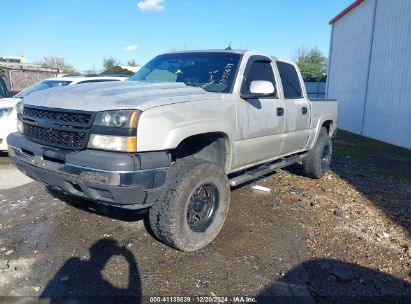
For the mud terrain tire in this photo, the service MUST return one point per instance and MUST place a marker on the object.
(178, 218)
(318, 159)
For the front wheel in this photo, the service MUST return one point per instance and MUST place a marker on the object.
(318, 159)
(193, 208)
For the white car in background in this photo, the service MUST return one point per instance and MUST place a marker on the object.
(8, 114)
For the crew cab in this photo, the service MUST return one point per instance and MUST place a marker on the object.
(176, 137)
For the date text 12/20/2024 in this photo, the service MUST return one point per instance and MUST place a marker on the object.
(203, 299)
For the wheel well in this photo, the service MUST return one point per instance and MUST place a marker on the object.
(209, 146)
(329, 126)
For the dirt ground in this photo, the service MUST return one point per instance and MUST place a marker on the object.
(342, 239)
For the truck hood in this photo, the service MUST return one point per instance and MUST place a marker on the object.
(117, 95)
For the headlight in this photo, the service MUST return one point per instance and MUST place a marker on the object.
(19, 107)
(110, 121)
(117, 119)
(19, 126)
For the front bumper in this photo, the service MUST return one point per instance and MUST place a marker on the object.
(127, 180)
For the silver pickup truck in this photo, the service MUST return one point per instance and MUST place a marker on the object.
(176, 137)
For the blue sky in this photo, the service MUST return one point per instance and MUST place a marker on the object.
(86, 31)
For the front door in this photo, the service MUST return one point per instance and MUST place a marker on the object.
(264, 117)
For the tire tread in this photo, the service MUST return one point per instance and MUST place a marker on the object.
(311, 163)
(165, 215)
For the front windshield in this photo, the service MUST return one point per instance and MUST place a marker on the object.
(42, 85)
(214, 72)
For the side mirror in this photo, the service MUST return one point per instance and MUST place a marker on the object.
(260, 88)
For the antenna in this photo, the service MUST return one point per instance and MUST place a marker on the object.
(229, 47)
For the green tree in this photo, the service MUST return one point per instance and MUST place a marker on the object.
(312, 64)
(132, 63)
(109, 63)
(56, 62)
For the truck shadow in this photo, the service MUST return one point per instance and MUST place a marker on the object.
(82, 281)
(117, 213)
(113, 212)
(333, 281)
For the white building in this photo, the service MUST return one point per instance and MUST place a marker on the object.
(370, 69)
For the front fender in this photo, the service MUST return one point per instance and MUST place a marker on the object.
(181, 132)
(164, 128)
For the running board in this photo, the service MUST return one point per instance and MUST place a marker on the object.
(265, 169)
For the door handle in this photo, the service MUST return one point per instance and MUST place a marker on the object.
(280, 111)
(304, 110)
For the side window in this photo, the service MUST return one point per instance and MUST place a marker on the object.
(290, 80)
(260, 70)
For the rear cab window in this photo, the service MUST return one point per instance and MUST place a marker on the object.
(290, 81)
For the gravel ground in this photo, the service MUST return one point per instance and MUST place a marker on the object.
(344, 238)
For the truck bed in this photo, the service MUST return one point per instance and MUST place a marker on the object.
(323, 108)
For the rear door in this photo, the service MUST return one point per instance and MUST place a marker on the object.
(297, 109)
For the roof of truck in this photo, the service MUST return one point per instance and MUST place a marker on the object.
(232, 51)
(211, 51)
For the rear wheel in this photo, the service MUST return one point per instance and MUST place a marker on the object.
(318, 159)
(193, 208)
